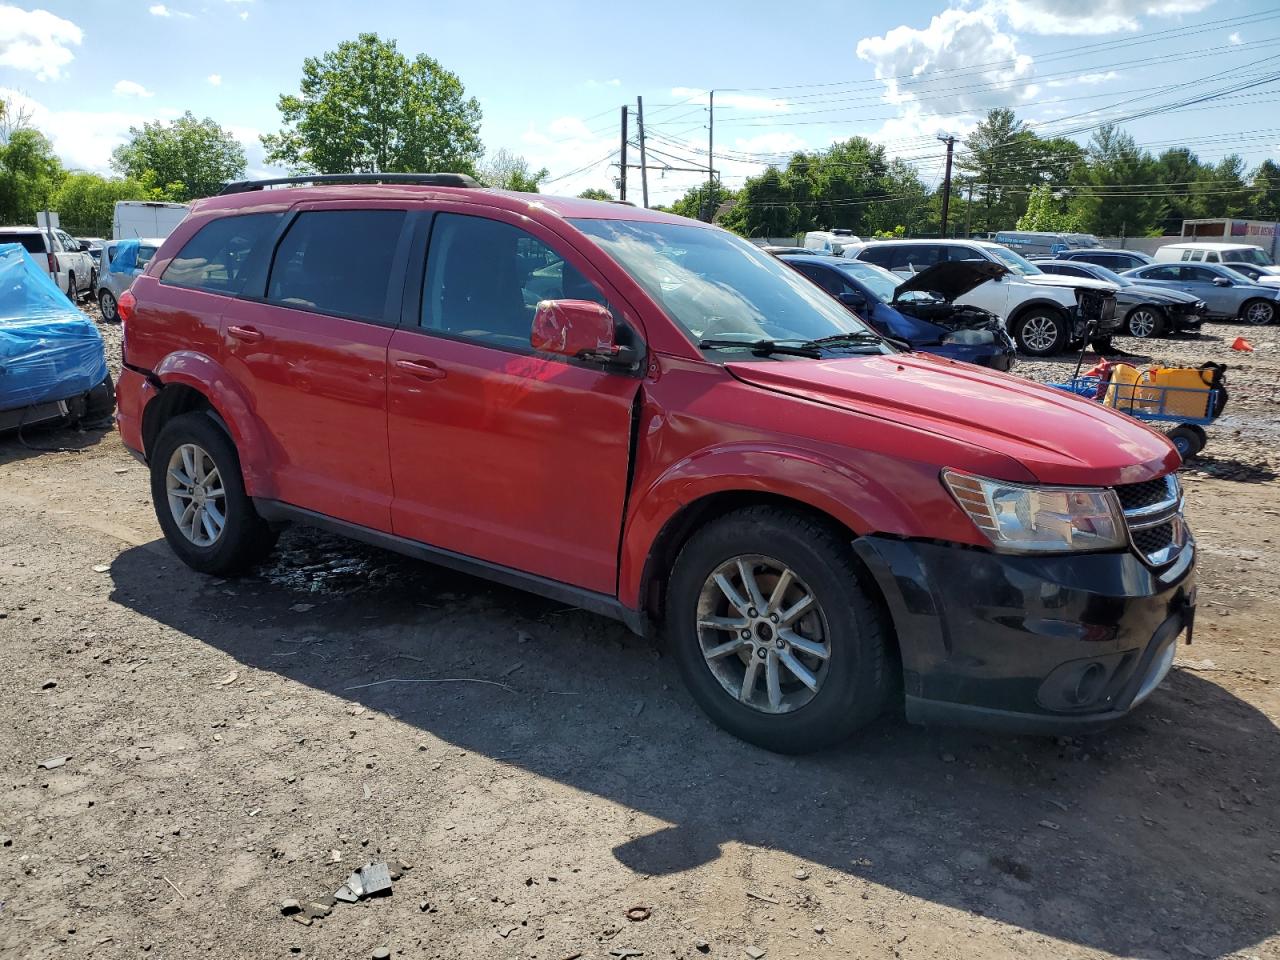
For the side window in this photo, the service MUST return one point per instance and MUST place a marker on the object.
(1212, 257)
(1163, 273)
(880, 256)
(337, 261)
(1198, 274)
(216, 258)
(485, 279)
(826, 279)
(144, 256)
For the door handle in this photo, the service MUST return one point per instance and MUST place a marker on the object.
(247, 334)
(422, 369)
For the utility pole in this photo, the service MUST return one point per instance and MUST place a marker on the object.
(950, 141)
(622, 167)
(968, 211)
(709, 208)
(644, 167)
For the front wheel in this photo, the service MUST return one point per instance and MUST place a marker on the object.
(1041, 333)
(1145, 322)
(774, 634)
(200, 500)
(1258, 313)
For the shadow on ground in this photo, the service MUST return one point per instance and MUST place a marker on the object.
(1155, 839)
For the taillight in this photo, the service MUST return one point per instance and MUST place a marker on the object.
(126, 305)
(53, 265)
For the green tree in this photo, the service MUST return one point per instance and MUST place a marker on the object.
(1047, 213)
(505, 170)
(86, 202)
(1223, 191)
(29, 172)
(191, 158)
(1178, 170)
(1264, 201)
(595, 193)
(366, 107)
(1113, 193)
(995, 158)
(702, 202)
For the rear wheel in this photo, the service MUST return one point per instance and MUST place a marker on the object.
(1188, 438)
(1258, 313)
(200, 500)
(73, 294)
(1145, 321)
(107, 302)
(1041, 333)
(774, 634)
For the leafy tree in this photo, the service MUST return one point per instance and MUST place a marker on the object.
(1178, 169)
(1114, 197)
(86, 202)
(366, 107)
(29, 174)
(1223, 191)
(191, 158)
(505, 170)
(1264, 202)
(595, 193)
(702, 202)
(765, 207)
(1046, 213)
(994, 158)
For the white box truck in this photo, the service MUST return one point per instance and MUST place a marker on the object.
(136, 219)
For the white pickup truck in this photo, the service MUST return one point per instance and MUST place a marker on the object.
(61, 256)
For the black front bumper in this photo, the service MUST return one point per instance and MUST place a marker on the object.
(1046, 645)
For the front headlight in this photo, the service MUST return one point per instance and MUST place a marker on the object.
(1027, 519)
(970, 338)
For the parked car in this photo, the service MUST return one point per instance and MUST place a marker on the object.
(1147, 310)
(52, 362)
(1031, 242)
(834, 242)
(683, 431)
(778, 251)
(1117, 260)
(920, 311)
(1225, 253)
(58, 255)
(93, 247)
(122, 261)
(1257, 274)
(1045, 314)
(1227, 295)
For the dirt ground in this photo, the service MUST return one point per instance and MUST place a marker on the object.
(232, 744)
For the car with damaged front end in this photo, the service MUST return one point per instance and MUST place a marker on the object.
(652, 419)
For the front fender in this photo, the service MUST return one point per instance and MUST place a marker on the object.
(864, 499)
(254, 444)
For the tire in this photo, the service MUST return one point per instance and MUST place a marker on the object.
(72, 293)
(107, 303)
(244, 538)
(851, 677)
(1258, 313)
(100, 404)
(1188, 438)
(1041, 332)
(1145, 322)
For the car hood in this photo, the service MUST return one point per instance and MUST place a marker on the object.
(1076, 283)
(951, 281)
(1150, 293)
(1059, 437)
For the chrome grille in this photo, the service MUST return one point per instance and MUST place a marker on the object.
(1153, 513)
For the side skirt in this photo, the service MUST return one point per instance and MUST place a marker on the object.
(274, 511)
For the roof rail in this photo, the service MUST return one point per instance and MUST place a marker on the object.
(418, 179)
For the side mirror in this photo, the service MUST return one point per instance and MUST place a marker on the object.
(580, 329)
(1222, 282)
(851, 298)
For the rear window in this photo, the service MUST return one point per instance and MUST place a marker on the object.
(32, 242)
(337, 261)
(217, 257)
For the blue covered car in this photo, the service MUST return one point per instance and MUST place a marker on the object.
(920, 311)
(52, 362)
(122, 261)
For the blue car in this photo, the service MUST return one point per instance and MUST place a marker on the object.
(920, 311)
(52, 363)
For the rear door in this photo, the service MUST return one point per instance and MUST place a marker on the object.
(499, 453)
(311, 350)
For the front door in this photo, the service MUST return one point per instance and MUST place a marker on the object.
(1199, 281)
(313, 357)
(497, 452)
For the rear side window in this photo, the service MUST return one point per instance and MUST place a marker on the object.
(1163, 273)
(31, 242)
(217, 257)
(827, 279)
(337, 261)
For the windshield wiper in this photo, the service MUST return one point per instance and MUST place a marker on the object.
(795, 348)
(843, 339)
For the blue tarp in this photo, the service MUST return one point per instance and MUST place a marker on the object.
(49, 350)
(126, 258)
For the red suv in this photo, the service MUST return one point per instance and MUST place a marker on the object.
(653, 419)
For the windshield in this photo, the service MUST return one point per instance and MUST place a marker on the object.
(1248, 255)
(878, 280)
(716, 285)
(1015, 263)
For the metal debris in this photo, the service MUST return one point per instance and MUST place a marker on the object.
(345, 894)
(288, 907)
(53, 763)
(375, 878)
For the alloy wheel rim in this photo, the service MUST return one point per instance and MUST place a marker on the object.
(1259, 314)
(197, 498)
(1142, 323)
(109, 306)
(1039, 333)
(763, 634)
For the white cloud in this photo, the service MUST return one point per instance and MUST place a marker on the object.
(971, 41)
(1091, 16)
(244, 14)
(1084, 80)
(36, 41)
(595, 84)
(130, 88)
(159, 10)
(83, 139)
(738, 101)
(1234, 39)
(215, 79)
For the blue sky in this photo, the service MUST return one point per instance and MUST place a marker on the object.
(550, 79)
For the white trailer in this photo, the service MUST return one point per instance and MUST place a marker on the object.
(136, 219)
